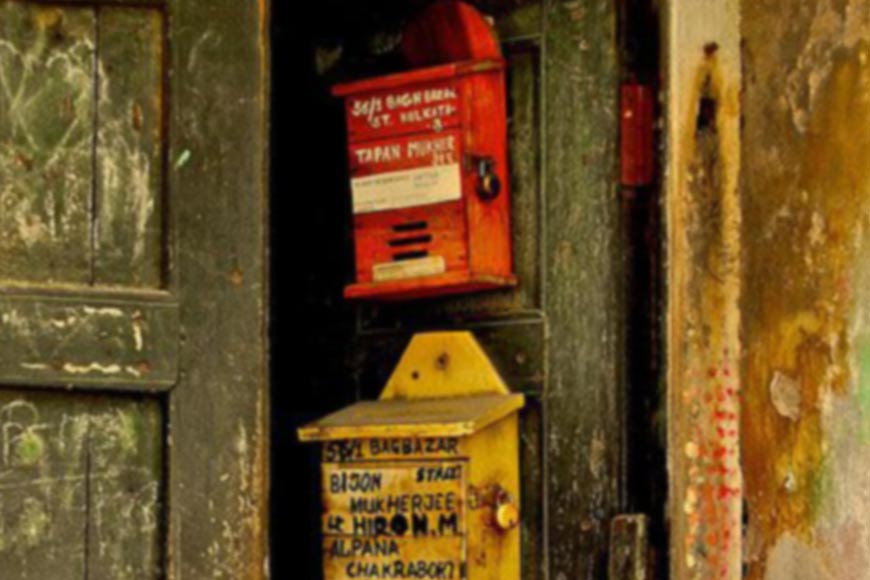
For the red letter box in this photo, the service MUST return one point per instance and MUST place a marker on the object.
(429, 167)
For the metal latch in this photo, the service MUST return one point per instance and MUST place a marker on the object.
(637, 135)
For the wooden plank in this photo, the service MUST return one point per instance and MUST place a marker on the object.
(80, 482)
(219, 189)
(46, 127)
(88, 343)
(703, 79)
(129, 204)
(583, 262)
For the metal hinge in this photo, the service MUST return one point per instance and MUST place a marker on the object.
(629, 548)
(637, 135)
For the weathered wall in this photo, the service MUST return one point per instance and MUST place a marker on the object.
(806, 194)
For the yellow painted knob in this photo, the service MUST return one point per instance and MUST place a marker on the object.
(507, 516)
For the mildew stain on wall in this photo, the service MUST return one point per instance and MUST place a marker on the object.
(806, 198)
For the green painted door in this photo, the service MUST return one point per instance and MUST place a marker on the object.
(132, 284)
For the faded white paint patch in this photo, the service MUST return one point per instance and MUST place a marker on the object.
(597, 455)
(785, 393)
(138, 340)
(110, 312)
(35, 366)
(94, 367)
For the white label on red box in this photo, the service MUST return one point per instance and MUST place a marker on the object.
(406, 188)
(404, 269)
(406, 172)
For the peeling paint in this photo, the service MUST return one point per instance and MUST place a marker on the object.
(704, 262)
(785, 394)
(807, 186)
(111, 312)
(93, 367)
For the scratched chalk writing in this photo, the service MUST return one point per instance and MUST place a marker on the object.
(78, 471)
(394, 519)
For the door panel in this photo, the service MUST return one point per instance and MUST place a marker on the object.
(128, 213)
(47, 131)
(82, 97)
(132, 289)
(81, 487)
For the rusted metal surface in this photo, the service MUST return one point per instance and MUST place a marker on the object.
(702, 208)
(806, 190)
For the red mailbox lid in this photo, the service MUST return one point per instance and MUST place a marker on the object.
(418, 76)
(449, 31)
(450, 40)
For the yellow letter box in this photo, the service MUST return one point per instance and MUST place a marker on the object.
(424, 483)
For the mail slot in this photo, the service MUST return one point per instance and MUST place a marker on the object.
(424, 482)
(429, 166)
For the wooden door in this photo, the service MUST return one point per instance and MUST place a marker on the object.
(132, 286)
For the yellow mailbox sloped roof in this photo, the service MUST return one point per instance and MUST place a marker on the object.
(442, 417)
(443, 386)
